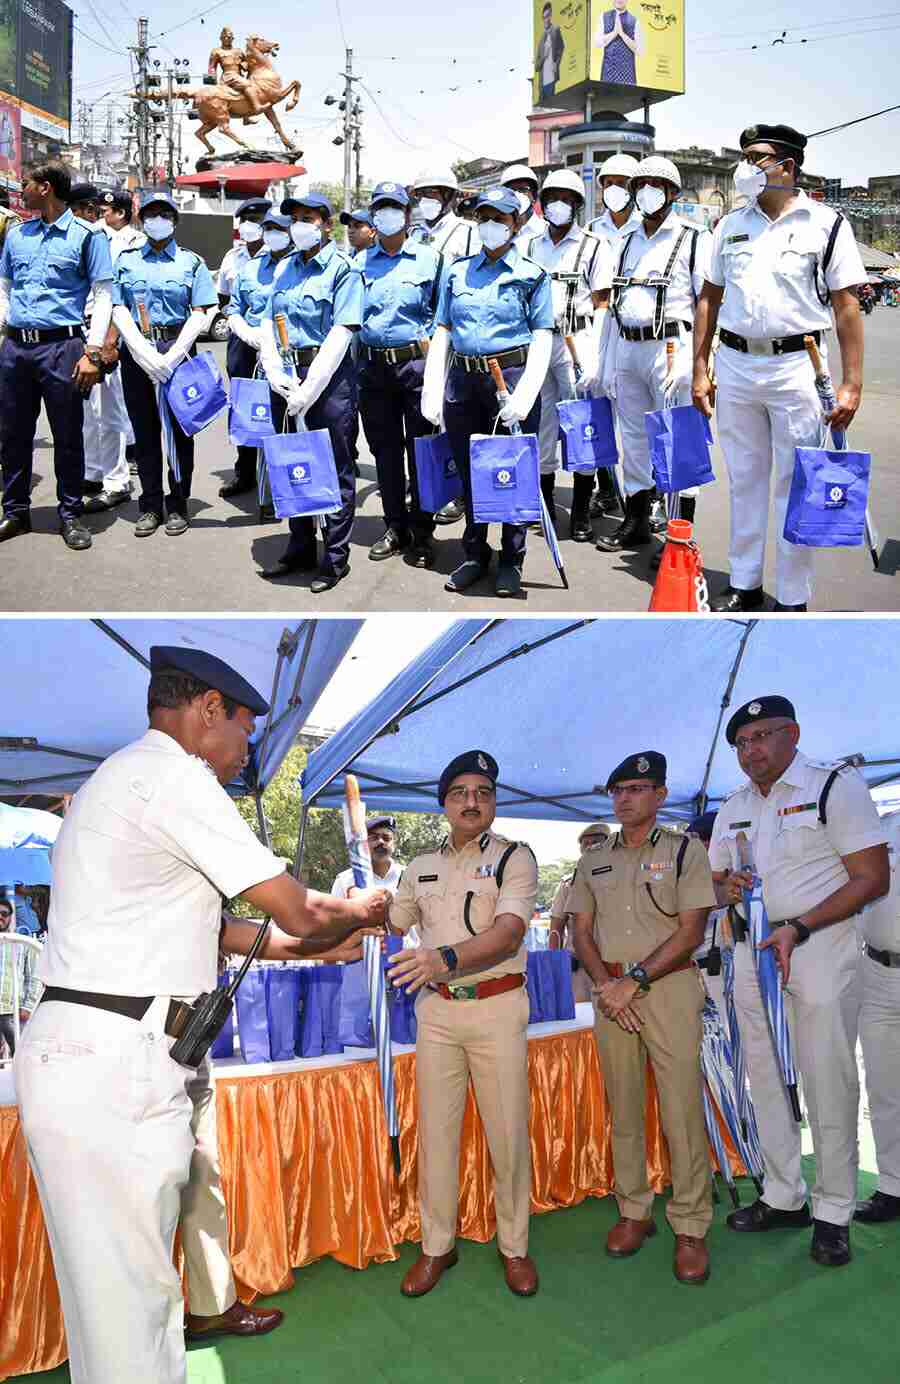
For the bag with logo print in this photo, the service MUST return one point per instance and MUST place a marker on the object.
(439, 480)
(302, 473)
(680, 440)
(588, 433)
(320, 1016)
(829, 493)
(505, 479)
(249, 413)
(195, 393)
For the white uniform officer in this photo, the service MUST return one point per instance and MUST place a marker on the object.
(879, 1029)
(620, 216)
(435, 194)
(783, 264)
(523, 182)
(818, 846)
(381, 834)
(580, 268)
(661, 270)
(148, 849)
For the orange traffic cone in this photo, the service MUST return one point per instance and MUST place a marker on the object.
(680, 583)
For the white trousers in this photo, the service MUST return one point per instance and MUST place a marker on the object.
(204, 1221)
(107, 1122)
(640, 383)
(766, 406)
(107, 432)
(879, 1029)
(559, 384)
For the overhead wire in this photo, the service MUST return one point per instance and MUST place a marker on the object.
(119, 52)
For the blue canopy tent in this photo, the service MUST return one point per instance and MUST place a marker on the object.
(561, 703)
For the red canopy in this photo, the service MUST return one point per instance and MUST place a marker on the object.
(243, 179)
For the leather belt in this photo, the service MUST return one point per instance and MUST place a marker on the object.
(165, 333)
(884, 958)
(41, 336)
(394, 355)
(780, 346)
(669, 330)
(577, 324)
(304, 355)
(479, 364)
(129, 1006)
(483, 991)
(617, 969)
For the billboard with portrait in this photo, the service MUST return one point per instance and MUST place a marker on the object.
(560, 47)
(10, 144)
(638, 43)
(44, 64)
(9, 47)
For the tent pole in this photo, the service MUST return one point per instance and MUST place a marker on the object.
(701, 799)
(301, 841)
(121, 641)
(261, 817)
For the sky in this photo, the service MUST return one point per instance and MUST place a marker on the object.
(410, 56)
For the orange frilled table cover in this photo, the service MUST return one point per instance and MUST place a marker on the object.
(307, 1172)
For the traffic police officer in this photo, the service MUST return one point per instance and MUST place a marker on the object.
(401, 280)
(522, 182)
(640, 902)
(249, 217)
(561, 917)
(494, 304)
(320, 296)
(48, 266)
(148, 849)
(620, 216)
(784, 264)
(240, 355)
(360, 231)
(440, 227)
(815, 840)
(162, 295)
(471, 900)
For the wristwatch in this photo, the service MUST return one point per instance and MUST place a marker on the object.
(640, 975)
(801, 930)
(449, 958)
(93, 354)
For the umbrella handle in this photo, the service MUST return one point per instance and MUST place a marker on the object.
(281, 328)
(356, 810)
(812, 351)
(497, 376)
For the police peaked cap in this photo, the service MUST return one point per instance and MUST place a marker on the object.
(773, 134)
(595, 829)
(760, 709)
(83, 192)
(647, 764)
(120, 199)
(471, 762)
(209, 669)
(252, 204)
(386, 821)
(702, 825)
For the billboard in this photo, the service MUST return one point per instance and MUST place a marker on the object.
(560, 47)
(44, 58)
(624, 52)
(10, 144)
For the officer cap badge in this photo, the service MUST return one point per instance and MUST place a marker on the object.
(643, 764)
(754, 709)
(497, 195)
(483, 764)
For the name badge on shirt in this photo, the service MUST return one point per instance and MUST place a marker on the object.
(428, 879)
(739, 826)
(602, 870)
(484, 872)
(735, 239)
(799, 807)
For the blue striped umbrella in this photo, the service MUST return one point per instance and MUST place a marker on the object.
(714, 1134)
(746, 1110)
(718, 1068)
(168, 433)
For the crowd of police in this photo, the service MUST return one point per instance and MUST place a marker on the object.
(396, 333)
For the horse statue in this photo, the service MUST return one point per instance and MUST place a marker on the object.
(260, 92)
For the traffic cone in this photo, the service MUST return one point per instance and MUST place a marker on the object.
(680, 584)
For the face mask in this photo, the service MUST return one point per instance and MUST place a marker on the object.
(430, 208)
(650, 200)
(559, 213)
(305, 236)
(159, 227)
(524, 202)
(276, 240)
(389, 220)
(750, 181)
(616, 198)
(493, 234)
(249, 232)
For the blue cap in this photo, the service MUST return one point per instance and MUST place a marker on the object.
(253, 204)
(357, 214)
(314, 200)
(373, 823)
(499, 199)
(160, 195)
(208, 669)
(647, 764)
(390, 192)
(470, 762)
(277, 218)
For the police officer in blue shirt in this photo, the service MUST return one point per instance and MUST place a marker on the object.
(240, 357)
(162, 295)
(497, 304)
(401, 280)
(48, 267)
(319, 296)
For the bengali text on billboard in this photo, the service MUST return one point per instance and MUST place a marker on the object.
(560, 47)
(638, 43)
(44, 69)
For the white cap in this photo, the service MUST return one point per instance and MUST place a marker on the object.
(444, 177)
(563, 180)
(518, 172)
(619, 166)
(656, 167)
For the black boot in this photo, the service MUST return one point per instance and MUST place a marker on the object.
(580, 521)
(688, 507)
(548, 490)
(634, 530)
(607, 498)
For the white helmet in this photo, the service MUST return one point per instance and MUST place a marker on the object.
(443, 177)
(563, 180)
(619, 166)
(519, 172)
(656, 167)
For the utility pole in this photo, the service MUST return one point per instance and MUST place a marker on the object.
(357, 150)
(348, 127)
(170, 160)
(141, 104)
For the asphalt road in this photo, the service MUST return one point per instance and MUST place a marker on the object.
(214, 566)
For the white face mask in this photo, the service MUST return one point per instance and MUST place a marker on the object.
(389, 220)
(559, 213)
(276, 240)
(750, 181)
(524, 202)
(249, 232)
(616, 198)
(650, 200)
(305, 235)
(430, 208)
(159, 227)
(493, 234)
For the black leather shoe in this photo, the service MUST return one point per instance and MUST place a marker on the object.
(733, 601)
(421, 554)
(451, 513)
(91, 487)
(759, 1216)
(96, 504)
(580, 527)
(779, 606)
(326, 580)
(389, 544)
(606, 501)
(147, 524)
(13, 525)
(177, 524)
(302, 562)
(74, 534)
(266, 514)
(509, 581)
(235, 487)
(466, 575)
(634, 530)
(830, 1244)
(879, 1208)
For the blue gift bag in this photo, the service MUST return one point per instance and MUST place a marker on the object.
(589, 434)
(253, 1016)
(223, 1045)
(402, 1006)
(564, 997)
(195, 393)
(249, 413)
(283, 1005)
(439, 480)
(680, 439)
(320, 1021)
(827, 504)
(505, 479)
(541, 988)
(355, 1015)
(302, 473)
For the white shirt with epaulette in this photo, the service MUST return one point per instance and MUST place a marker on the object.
(879, 922)
(578, 252)
(451, 236)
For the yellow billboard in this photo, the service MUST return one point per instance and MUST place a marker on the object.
(560, 47)
(638, 43)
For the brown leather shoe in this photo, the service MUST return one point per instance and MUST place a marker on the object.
(521, 1275)
(627, 1237)
(239, 1320)
(691, 1259)
(425, 1273)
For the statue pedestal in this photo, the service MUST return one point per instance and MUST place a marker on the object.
(221, 163)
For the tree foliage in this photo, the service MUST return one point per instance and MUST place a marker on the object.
(549, 877)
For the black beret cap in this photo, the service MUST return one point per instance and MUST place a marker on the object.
(253, 204)
(471, 762)
(83, 192)
(760, 709)
(702, 826)
(121, 199)
(773, 134)
(647, 764)
(209, 669)
(375, 822)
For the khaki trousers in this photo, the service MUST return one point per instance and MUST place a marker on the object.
(486, 1039)
(204, 1223)
(671, 1037)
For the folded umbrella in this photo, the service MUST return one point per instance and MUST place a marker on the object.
(746, 1110)
(714, 1134)
(717, 1064)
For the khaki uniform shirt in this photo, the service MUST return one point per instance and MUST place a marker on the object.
(633, 892)
(451, 895)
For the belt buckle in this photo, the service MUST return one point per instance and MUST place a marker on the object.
(759, 348)
(390, 355)
(463, 992)
(31, 336)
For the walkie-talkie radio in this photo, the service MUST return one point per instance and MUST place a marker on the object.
(198, 1025)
